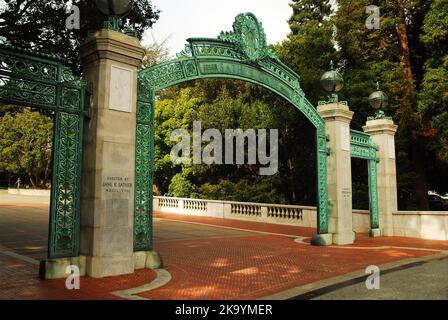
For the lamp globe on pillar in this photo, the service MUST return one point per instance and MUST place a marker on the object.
(332, 82)
(379, 100)
(114, 10)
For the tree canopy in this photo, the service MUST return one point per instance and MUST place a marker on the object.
(41, 25)
(26, 144)
(407, 55)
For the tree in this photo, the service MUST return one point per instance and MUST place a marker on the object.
(308, 51)
(433, 97)
(310, 47)
(229, 104)
(156, 53)
(181, 185)
(26, 144)
(308, 12)
(393, 56)
(41, 25)
(176, 109)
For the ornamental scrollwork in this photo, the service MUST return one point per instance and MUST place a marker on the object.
(143, 188)
(65, 207)
(248, 35)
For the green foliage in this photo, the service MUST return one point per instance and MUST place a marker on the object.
(25, 145)
(433, 96)
(314, 12)
(41, 25)
(418, 104)
(228, 104)
(310, 47)
(181, 185)
(175, 111)
(367, 56)
(251, 189)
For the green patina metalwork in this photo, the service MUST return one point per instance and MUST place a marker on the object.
(43, 81)
(116, 24)
(379, 115)
(362, 147)
(241, 54)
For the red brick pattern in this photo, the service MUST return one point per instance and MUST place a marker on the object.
(238, 224)
(255, 267)
(19, 281)
(227, 267)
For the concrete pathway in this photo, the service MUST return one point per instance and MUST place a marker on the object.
(423, 280)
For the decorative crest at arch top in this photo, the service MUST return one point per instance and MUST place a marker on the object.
(249, 37)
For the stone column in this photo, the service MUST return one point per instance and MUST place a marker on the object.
(110, 63)
(383, 133)
(337, 121)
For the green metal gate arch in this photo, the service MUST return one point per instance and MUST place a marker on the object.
(241, 54)
(362, 147)
(43, 81)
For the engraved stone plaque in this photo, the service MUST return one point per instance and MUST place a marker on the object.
(121, 89)
(345, 138)
(391, 147)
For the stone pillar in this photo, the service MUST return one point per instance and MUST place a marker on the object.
(383, 133)
(337, 121)
(110, 63)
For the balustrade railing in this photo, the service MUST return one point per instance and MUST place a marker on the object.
(270, 213)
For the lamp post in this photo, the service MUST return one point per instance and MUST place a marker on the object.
(332, 82)
(114, 10)
(379, 100)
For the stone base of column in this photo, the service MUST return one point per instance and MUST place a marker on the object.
(344, 238)
(387, 232)
(375, 233)
(147, 260)
(52, 269)
(101, 267)
(322, 240)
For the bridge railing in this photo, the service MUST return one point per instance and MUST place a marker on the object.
(259, 212)
(416, 224)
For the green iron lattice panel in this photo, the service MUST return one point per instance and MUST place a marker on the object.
(42, 81)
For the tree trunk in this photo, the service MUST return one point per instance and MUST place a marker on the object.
(32, 180)
(403, 41)
(46, 174)
(418, 157)
(421, 185)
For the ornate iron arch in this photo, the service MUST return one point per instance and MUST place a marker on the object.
(241, 54)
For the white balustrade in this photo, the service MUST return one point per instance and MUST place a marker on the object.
(248, 210)
(426, 225)
(172, 203)
(270, 213)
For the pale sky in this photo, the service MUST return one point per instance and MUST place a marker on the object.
(183, 19)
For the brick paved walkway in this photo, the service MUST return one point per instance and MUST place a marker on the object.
(258, 266)
(18, 281)
(209, 259)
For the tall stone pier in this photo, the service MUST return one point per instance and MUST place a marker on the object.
(337, 118)
(383, 133)
(110, 63)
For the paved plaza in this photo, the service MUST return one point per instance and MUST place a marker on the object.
(207, 258)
